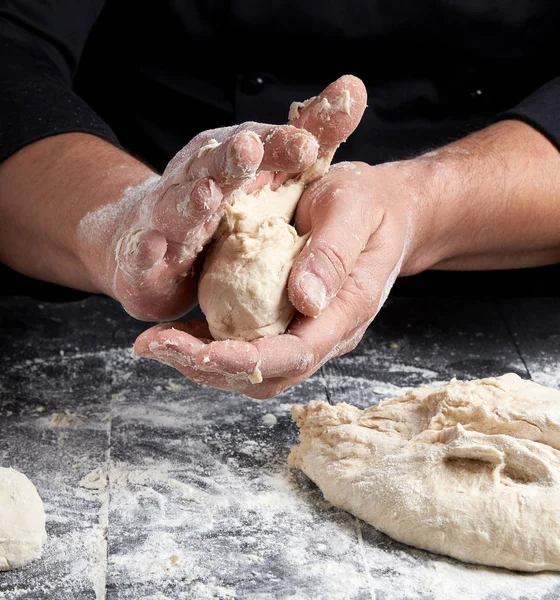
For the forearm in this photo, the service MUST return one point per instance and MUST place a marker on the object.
(45, 191)
(494, 201)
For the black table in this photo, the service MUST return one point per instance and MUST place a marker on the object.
(158, 489)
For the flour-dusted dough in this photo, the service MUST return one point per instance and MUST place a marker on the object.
(243, 287)
(22, 520)
(470, 469)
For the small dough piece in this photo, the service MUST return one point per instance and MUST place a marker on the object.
(22, 520)
(243, 287)
(470, 469)
(242, 290)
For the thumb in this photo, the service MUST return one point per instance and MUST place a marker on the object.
(338, 237)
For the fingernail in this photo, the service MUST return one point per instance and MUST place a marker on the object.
(244, 155)
(314, 291)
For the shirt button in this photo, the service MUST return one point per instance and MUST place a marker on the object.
(253, 83)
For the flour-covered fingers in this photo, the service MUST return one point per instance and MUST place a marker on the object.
(183, 208)
(143, 282)
(175, 344)
(169, 343)
(139, 251)
(283, 356)
(332, 115)
(230, 358)
(233, 363)
(255, 368)
(288, 149)
(230, 162)
(252, 147)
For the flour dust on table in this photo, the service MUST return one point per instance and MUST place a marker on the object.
(22, 520)
(470, 469)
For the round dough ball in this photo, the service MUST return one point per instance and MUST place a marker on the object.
(470, 469)
(22, 520)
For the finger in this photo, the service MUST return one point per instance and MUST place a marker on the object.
(231, 358)
(230, 162)
(338, 238)
(226, 364)
(269, 388)
(284, 148)
(285, 359)
(143, 282)
(170, 344)
(283, 355)
(174, 344)
(332, 115)
(288, 149)
(185, 207)
(140, 251)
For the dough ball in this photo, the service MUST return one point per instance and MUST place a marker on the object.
(470, 469)
(243, 287)
(22, 520)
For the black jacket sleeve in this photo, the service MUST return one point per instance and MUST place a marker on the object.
(40, 47)
(541, 110)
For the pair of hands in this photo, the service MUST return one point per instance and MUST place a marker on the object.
(361, 223)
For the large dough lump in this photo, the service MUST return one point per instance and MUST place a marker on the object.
(470, 469)
(22, 520)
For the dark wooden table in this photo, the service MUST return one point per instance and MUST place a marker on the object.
(158, 489)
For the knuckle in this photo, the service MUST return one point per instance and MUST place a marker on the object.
(359, 295)
(322, 191)
(331, 263)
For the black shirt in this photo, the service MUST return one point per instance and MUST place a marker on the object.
(149, 76)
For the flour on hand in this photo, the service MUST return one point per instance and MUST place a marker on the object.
(470, 469)
(243, 287)
(22, 520)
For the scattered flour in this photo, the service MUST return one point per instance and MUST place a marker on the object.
(65, 419)
(269, 419)
(199, 468)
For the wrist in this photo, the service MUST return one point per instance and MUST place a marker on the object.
(100, 232)
(487, 201)
(45, 190)
(412, 196)
(433, 196)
